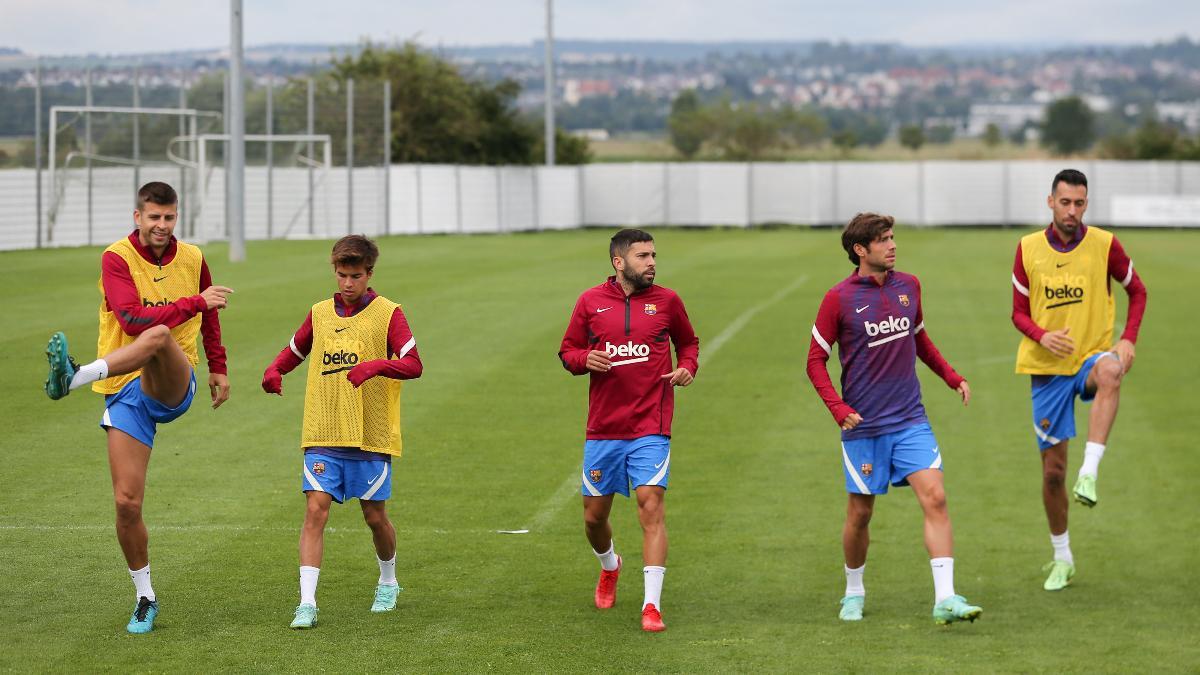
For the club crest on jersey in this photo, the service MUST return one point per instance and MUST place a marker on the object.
(866, 469)
(595, 475)
(651, 309)
(903, 299)
(1045, 424)
(319, 468)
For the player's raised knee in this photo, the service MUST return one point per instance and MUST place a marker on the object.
(1108, 373)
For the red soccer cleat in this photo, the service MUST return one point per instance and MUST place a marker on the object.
(606, 588)
(652, 620)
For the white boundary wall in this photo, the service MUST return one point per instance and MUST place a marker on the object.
(476, 199)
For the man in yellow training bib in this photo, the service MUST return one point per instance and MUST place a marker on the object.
(361, 348)
(156, 297)
(1063, 305)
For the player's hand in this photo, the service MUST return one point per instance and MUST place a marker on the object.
(1058, 342)
(964, 390)
(1125, 351)
(273, 382)
(852, 420)
(362, 372)
(680, 377)
(598, 361)
(216, 296)
(218, 388)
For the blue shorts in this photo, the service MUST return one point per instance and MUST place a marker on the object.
(138, 415)
(365, 479)
(610, 466)
(871, 463)
(1054, 402)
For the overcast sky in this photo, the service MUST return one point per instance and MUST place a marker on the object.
(52, 27)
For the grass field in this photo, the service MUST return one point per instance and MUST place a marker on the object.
(493, 439)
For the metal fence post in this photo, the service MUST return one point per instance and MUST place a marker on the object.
(184, 202)
(350, 155)
(137, 134)
(309, 131)
(270, 156)
(749, 194)
(666, 191)
(87, 144)
(420, 206)
(920, 192)
(37, 148)
(458, 196)
(387, 157)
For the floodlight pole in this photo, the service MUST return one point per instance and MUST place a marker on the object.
(549, 83)
(87, 144)
(237, 141)
(350, 155)
(137, 135)
(270, 156)
(37, 145)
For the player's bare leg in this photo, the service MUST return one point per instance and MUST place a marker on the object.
(383, 533)
(856, 537)
(166, 372)
(312, 548)
(1105, 383)
(128, 459)
(599, 534)
(1054, 498)
(653, 519)
(927, 485)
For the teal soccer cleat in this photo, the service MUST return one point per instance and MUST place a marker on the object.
(1060, 575)
(852, 608)
(306, 617)
(143, 617)
(955, 608)
(385, 597)
(1085, 490)
(62, 367)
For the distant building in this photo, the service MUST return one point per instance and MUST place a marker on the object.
(1007, 116)
(1187, 114)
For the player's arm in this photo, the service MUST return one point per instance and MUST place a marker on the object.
(289, 357)
(121, 294)
(214, 351)
(687, 346)
(931, 357)
(403, 362)
(1120, 267)
(576, 351)
(824, 336)
(1057, 341)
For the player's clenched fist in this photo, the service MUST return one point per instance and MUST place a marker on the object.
(272, 382)
(363, 372)
(598, 361)
(216, 296)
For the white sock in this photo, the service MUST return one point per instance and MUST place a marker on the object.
(141, 581)
(1062, 547)
(387, 571)
(308, 585)
(1092, 453)
(943, 578)
(609, 560)
(96, 370)
(854, 580)
(654, 579)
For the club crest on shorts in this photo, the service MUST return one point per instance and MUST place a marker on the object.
(651, 308)
(595, 475)
(866, 469)
(319, 468)
(903, 299)
(1045, 424)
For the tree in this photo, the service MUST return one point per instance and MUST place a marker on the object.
(688, 124)
(802, 127)
(992, 135)
(1069, 126)
(912, 136)
(569, 149)
(1155, 140)
(845, 140)
(745, 132)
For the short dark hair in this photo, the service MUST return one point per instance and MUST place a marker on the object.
(156, 192)
(622, 240)
(863, 229)
(353, 250)
(1070, 177)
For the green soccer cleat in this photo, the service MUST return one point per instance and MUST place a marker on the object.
(955, 608)
(385, 597)
(1060, 575)
(852, 608)
(144, 614)
(62, 367)
(1085, 490)
(306, 617)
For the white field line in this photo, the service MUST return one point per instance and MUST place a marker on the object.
(95, 527)
(559, 497)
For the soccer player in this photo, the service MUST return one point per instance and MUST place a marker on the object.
(351, 426)
(619, 334)
(875, 315)
(1063, 306)
(156, 295)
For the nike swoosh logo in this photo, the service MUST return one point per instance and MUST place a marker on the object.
(1061, 264)
(160, 278)
(372, 481)
(659, 465)
(860, 309)
(602, 309)
(338, 330)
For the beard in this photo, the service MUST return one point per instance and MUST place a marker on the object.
(640, 282)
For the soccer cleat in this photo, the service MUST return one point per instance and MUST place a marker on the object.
(606, 588)
(652, 619)
(955, 608)
(852, 608)
(62, 367)
(1060, 575)
(1085, 490)
(306, 617)
(385, 597)
(142, 620)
